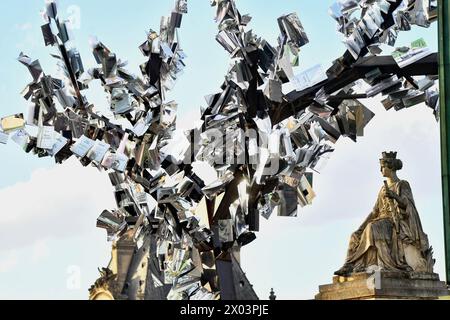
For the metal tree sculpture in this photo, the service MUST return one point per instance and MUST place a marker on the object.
(265, 134)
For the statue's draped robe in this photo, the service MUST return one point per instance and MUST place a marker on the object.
(388, 233)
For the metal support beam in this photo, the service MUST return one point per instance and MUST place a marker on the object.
(444, 83)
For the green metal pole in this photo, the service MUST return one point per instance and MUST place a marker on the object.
(444, 83)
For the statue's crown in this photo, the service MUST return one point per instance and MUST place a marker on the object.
(389, 155)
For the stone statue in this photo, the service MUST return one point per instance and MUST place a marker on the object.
(391, 237)
(103, 289)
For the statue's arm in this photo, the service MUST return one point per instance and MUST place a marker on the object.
(405, 196)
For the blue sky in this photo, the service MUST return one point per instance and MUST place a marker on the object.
(60, 232)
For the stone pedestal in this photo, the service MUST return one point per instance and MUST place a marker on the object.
(384, 286)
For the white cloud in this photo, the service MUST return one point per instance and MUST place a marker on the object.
(9, 261)
(50, 223)
(41, 250)
(56, 203)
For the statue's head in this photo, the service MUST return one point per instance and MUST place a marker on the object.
(390, 164)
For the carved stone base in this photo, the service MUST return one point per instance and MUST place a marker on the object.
(384, 286)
